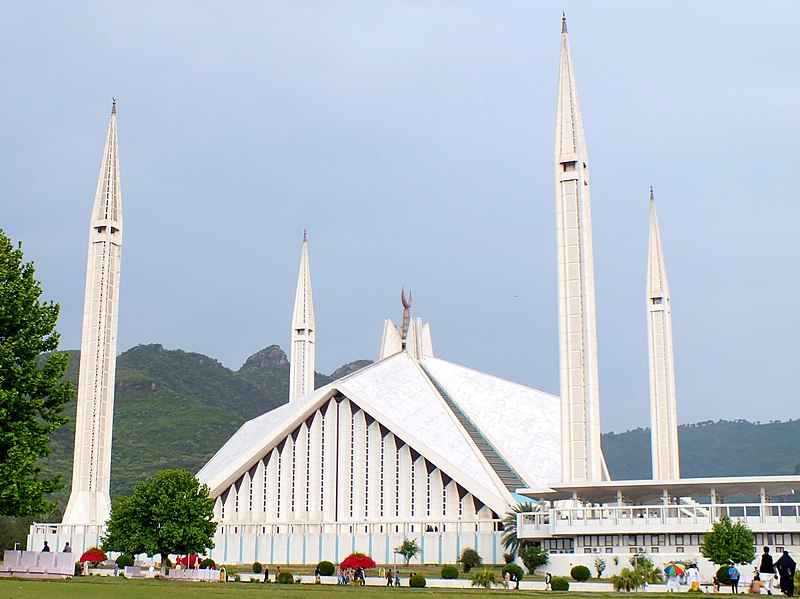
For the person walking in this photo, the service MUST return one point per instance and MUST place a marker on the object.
(397, 578)
(766, 570)
(786, 567)
(389, 577)
(733, 574)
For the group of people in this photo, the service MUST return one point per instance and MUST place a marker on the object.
(392, 580)
(351, 576)
(692, 576)
(768, 571)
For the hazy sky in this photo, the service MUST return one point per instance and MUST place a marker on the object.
(414, 141)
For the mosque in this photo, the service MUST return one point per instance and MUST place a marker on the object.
(414, 446)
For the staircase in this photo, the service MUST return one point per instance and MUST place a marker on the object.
(503, 469)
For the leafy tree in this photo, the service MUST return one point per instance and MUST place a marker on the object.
(32, 394)
(408, 549)
(729, 542)
(168, 513)
(599, 565)
(645, 569)
(533, 557)
(509, 538)
(470, 559)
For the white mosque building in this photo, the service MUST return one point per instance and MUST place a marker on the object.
(414, 446)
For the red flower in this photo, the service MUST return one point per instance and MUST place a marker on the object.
(94, 555)
(357, 560)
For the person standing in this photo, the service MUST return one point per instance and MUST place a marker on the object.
(733, 574)
(46, 547)
(266, 574)
(389, 577)
(786, 567)
(67, 548)
(767, 571)
(693, 577)
(397, 578)
(317, 574)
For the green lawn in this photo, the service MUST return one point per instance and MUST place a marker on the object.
(119, 588)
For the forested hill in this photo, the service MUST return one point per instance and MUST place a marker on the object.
(176, 409)
(724, 448)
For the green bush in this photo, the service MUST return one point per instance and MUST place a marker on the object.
(484, 578)
(470, 559)
(78, 569)
(508, 558)
(326, 568)
(722, 575)
(167, 563)
(580, 573)
(559, 583)
(125, 560)
(449, 572)
(417, 581)
(515, 571)
(257, 568)
(285, 577)
(208, 563)
(533, 557)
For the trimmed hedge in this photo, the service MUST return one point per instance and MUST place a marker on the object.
(285, 577)
(449, 572)
(257, 568)
(580, 573)
(208, 563)
(515, 571)
(326, 568)
(722, 575)
(559, 583)
(124, 560)
(417, 581)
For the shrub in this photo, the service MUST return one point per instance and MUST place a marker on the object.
(208, 563)
(533, 557)
(515, 571)
(722, 575)
(449, 572)
(627, 580)
(508, 558)
(257, 568)
(285, 577)
(484, 578)
(125, 560)
(167, 563)
(470, 559)
(326, 568)
(417, 581)
(580, 573)
(559, 583)
(78, 569)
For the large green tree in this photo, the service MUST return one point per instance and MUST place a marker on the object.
(32, 394)
(168, 513)
(729, 542)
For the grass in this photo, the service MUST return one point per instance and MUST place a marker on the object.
(119, 588)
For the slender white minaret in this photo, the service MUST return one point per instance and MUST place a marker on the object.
(89, 502)
(582, 458)
(663, 413)
(301, 366)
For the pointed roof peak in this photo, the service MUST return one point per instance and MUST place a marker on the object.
(113, 105)
(563, 22)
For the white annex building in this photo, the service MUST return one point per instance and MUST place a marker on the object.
(414, 446)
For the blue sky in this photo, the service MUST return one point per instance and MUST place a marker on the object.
(414, 141)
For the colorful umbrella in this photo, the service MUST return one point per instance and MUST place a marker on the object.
(674, 569)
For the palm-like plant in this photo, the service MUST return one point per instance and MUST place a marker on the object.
(509, 539)
(484, 578)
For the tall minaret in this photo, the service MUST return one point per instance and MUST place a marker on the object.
(582, 458)
(663, 414)
(301, 367)
(89, 502)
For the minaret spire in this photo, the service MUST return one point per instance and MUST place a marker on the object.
(301, 367)
(582, 457)
(663, 412)
(89, 502)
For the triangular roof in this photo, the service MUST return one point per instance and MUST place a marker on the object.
(401, 394)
